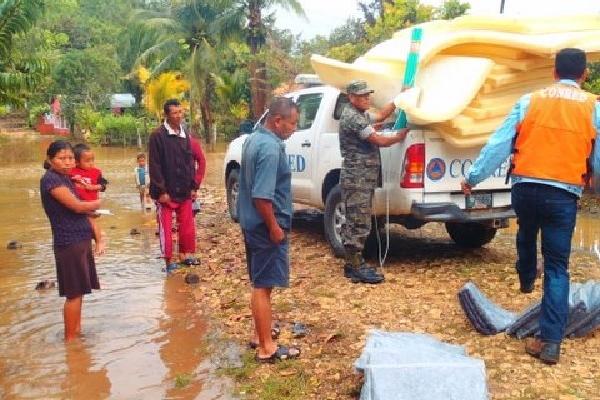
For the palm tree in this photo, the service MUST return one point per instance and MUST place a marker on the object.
(18, 72)
(232, 90)
(168, 85)
(189, 29)
(136, 40)
(249, 14)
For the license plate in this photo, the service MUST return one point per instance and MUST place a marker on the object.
(478, 201)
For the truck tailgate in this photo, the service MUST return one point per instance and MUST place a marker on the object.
(446, 166)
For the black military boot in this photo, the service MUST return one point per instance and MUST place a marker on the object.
(358, 271)
(366, 274)
(353, 261)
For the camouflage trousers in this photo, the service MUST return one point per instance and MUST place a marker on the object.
(357, 227)
(358, 185)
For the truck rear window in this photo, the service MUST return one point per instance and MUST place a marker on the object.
(308, 105)
(341, 102)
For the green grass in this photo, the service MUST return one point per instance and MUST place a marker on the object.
(237, 306)
(323, 292)
(243, 372)
(574, 391)
(289, 387)
(282, 307)
(182, 380)
(277, 386)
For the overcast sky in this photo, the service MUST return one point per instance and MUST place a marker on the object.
(325, 15)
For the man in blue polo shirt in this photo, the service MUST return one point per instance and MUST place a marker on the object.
(265, 212)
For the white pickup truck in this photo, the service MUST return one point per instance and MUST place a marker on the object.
(420, 177)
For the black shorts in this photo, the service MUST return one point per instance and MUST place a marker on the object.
(75, 269)
(268, 263)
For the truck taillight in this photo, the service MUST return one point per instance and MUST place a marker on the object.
(414, 167)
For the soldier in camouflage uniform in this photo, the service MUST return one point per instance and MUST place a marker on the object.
(359, 145)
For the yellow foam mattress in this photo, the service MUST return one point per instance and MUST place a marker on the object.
(473, 69)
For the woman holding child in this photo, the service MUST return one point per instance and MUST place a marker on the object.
(71, 232)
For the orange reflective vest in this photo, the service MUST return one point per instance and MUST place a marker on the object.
(556, 136)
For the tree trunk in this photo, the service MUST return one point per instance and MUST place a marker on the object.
(258, 88)
(206, 108)
(206, 118)
(258, 71)
(196, 114)
(213, 138)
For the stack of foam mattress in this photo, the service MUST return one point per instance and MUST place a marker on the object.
(473, 69)
(410, 366)
(487, 318)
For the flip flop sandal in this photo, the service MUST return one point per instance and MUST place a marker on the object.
(299, 330)
(275, 331)
(191, 261)
(282, 353)
(171, 267)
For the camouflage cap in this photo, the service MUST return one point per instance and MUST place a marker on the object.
(358, 87)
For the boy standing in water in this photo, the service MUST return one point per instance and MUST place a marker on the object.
(142, 181)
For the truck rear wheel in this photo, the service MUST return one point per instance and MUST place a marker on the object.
(471, 235)
(335, 217)
(233, 190)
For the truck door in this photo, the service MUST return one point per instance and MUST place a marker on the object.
(300, 146)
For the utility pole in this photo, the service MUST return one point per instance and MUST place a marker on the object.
(501, 6)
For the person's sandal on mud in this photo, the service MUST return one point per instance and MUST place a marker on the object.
(191, 261)
(280, 353)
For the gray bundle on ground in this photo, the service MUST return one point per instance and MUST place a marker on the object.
(488, 318)
(399, 366)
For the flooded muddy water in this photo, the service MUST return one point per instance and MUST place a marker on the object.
(143, 336)
(586, 236)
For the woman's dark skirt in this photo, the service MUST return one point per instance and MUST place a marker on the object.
(75, 269)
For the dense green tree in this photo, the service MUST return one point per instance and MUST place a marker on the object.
(451, 9)
(87, 76)
(348, 41)
(373, 9)
(399, 15)
(95, 28)
(593, 82)
(87, 23)
(19, 71)
(192, 29)
(352, 31)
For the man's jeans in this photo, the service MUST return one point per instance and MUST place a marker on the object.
(551, 210)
